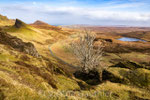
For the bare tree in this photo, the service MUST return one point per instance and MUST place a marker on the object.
(89, 57)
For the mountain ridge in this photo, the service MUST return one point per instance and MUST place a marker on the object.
(43, 25)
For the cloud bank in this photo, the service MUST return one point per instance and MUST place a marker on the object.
(110, 13)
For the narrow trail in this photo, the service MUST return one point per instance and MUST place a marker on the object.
(61, 60)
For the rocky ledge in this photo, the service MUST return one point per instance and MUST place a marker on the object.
(18, 44)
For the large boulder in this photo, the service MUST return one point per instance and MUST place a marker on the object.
(18, 44)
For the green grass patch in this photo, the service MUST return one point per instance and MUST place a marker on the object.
(65, 83)
(24, 32)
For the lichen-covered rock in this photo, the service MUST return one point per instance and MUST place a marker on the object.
(18, 44)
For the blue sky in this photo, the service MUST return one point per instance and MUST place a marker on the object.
(91, 12)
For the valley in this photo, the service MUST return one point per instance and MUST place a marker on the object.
(28, 71)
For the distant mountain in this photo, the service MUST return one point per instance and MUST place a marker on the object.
(88, 25)
(38, 22)
(43, 25)
(107, 29)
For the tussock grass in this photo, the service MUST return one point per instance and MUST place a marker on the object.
(7, 57)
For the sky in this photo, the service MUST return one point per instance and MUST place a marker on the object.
(69, 12)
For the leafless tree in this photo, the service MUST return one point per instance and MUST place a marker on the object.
(89, 57)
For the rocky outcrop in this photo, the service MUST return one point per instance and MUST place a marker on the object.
(18, 44)
(19, 23)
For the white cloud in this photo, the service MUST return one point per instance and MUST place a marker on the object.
(34, 3)
(77, 15)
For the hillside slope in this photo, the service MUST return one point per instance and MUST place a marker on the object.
(28, 77)
(24, 77)
(5, 21)
(29, 72)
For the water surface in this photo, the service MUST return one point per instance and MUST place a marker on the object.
(130, 39)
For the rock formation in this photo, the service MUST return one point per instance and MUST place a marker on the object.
(19, 23)
(18, 44)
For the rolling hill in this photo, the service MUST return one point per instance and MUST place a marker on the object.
(28, 71)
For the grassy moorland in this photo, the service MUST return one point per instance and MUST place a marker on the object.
(4, 21)
(25, 77)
